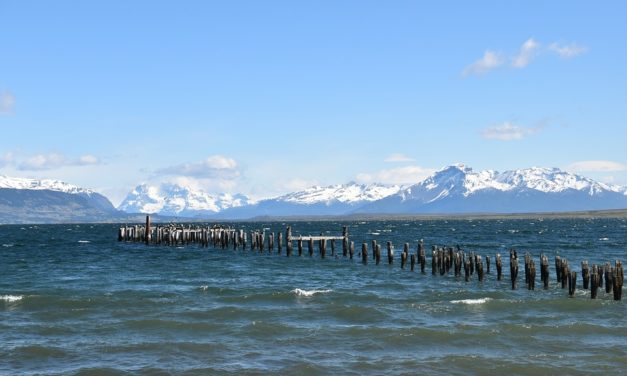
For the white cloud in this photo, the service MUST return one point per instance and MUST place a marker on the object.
(567, 51)
(526, 54)
(508, 132)
(7, 102)
(597, 166)
(215, 166)
(529, 50)
(51, 161)
(397, 157)
(489, 61)
(87, 159)
(399, 175)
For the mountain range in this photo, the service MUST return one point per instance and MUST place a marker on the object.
(451, 190)
(50, 201)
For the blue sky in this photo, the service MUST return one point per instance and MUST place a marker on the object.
(268, 97)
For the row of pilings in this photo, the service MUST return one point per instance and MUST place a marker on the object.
(444, 260)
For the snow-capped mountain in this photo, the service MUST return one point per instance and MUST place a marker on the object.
(459, 189)
(43, 201)
(345, 193)
(177, 200)
(44, 184)
(318, 200)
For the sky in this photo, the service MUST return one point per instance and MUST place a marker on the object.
(268, 97)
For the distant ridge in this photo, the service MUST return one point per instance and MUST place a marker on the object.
(458, 189)
(455, 189)
(50, 201)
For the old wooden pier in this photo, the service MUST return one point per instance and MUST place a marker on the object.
(443, 259)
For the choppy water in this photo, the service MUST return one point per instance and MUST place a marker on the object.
(74, 300)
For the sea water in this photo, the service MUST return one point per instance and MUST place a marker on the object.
(73, 300)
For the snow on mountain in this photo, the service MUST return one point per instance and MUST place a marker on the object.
(345, 193)
(330, 200)
(45, 184)
(174, 199)
(50, 201)
(458, 188)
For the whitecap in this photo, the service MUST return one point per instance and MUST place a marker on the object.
(374, 233)
(604, 239)
(7, 245)
(203, 288)
(84, 241)
(307, 293)
(471, 301)
(11, 298)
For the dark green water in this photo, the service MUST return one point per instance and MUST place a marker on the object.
(74, 300)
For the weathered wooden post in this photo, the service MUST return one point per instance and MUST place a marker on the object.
(487, 264)
(480, 268)
(527, 260)
(351, 249)
(344, 240)
(467, 269)
(531, 285)
(271, 242)
(374, 249)
(403, 259)
(288, 241)
(147, 230)
(572, 283)
(378, 254)
(499, 267)
(422, 256)
(618, 280)
(564, 271)
(310, 246)
(594, 281)
(390, 253)
(558, 269)
(585, 274)
(434, 261)
(323, 247)
(332, 247)
(544, 271)
(412, 261)
(300, 246)
(513, 269)
(279, 242)
(120, 234)
(609, 275)
(364, 253)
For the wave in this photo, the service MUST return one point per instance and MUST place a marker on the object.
(471, 301)
(308, 293)
(11, 298)
(84, 241)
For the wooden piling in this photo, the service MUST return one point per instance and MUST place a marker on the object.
(585, 274)
(513, 268)
(364, 253)
(618, 280)
(572, 283)
(147, 236)
(544, 271)
(609, 275)
(345, 240)
(351, 249)
(390, 253)
(378, 254)
(594, 281)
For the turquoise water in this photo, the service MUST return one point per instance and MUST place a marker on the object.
(75, 301)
